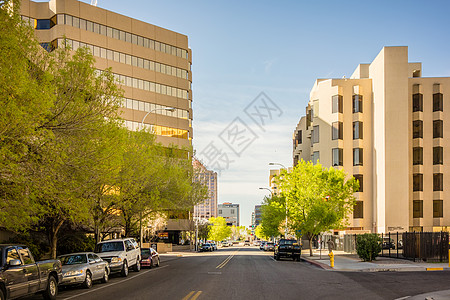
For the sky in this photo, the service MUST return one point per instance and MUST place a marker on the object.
(241, 49)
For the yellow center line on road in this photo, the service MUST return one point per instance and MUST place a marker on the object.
(188, 296)
(222, 264)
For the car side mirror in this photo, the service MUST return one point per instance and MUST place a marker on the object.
(15, 263)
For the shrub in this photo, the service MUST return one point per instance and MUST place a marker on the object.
(368, 246)
(38, 246)
(75, 242)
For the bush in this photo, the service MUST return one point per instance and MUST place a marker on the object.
(75, 242)
(38, 246)
(368, 246)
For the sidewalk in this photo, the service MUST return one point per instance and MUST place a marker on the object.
(351, 262)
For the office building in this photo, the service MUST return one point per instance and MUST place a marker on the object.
(388, 127)
(151, 64)
(257, 215)
(230, 212)
(208, 208)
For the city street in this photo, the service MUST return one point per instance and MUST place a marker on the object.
(249, 273)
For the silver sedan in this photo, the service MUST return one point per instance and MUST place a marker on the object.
(83, 268)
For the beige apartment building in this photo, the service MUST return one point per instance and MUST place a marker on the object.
(388, 127)
(152, 64)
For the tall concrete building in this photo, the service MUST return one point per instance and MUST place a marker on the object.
(151, 64)
(208, 208)
(257, 214)
(388, 127)
(230, 212)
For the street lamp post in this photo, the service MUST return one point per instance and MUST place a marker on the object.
(171, 109)
(285, 200)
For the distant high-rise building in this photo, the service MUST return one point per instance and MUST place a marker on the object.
(230, 212)
(257, 215)
(388, 127)
(208, 208)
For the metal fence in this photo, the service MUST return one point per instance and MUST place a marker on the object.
(417, 246)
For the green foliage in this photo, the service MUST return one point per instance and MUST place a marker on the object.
(318, 199)
(259, 232)
(218, 229)
(38, 247)
(77, 241)
(203, 231)
(273, 214)
(239, 233)
(368, 246)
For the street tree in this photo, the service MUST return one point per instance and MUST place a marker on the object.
(259, 233)
(318, 199)
(218, 229)
(273, 214)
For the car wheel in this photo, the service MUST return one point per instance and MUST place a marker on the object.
(158, 262)
(298, 258)
(2, 296)
(137, 266)
(105, 276)
(151, 263)
(87, 284)
(124, 271)
(277, 257)
(52, 289)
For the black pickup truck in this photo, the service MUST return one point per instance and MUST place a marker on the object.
(288, 248)
(20, 275)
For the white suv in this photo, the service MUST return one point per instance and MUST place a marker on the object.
(120, 254)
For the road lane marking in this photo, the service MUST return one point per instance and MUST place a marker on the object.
(196, 295)
(222, 264)
(188, 296)
(111, 284)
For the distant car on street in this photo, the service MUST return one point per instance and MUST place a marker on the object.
(269, 246)
(83, 268)
(246, 243)
(150, 258)
(388, 243)
(261, 246)
(288, 248)
(224, 243)
(256, 243)
(206, 247)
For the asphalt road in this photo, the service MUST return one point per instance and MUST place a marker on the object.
(248, 273)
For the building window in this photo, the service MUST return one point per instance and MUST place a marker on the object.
(358, 210)
(315, 134)
(338, 156)
(337, 131)
(417, 182)
(232, 211)
(40, 24)
(417, 129)
(315, 157)
(438, 155)
(337, 104)
(315, 108)
(358, 157)
(357, 130)
(438, 182)
(438, 209)
(438, 129)
(220, 211)
(357, 103)
(359, 177)
(417, 156)
(438, 102)
(417, 102)
(417, 209)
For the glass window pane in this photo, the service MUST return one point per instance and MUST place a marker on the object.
(417, 209)
(438, 129)
(417, 129)
(417, 182)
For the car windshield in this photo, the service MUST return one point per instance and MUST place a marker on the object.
(109, 247)
(145, 252)
(73, 259)
(288, 242)
(270, 244)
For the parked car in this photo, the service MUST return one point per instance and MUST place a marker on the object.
(83, 268)
(269, 246)
(206, 247)
(256, 243)
(20, 275)
(213, 245)
(246, 243)
(120, 254)
(150, 258)
(225, 244)
(288, 248)
(388, 243)
(261, 246)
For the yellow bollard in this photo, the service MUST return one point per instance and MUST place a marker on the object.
(331, 255)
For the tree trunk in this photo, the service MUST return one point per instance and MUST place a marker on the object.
(310, 238)
(53, 237)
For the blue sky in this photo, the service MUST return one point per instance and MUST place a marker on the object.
(280, 47)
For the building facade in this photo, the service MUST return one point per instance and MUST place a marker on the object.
(208, 208)
(151, 64)
(388, 127)
(257, 213)
(230, 212)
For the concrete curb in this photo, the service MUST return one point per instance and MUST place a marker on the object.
(316, 263)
